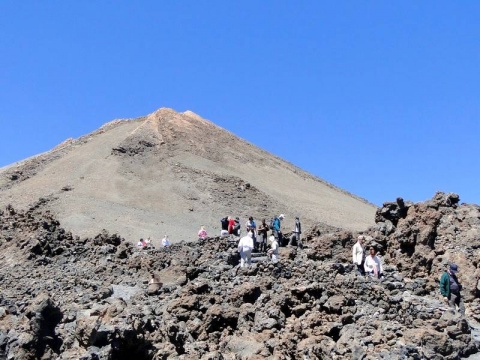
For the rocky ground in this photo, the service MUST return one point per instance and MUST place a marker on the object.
(65, 297)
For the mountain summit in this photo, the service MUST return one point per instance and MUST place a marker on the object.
(170, 173)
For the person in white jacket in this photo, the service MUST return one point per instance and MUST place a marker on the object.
(273, 252)
(245, 247)
(373, 265)
(358, 254)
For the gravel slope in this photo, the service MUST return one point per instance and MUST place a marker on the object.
(169, 173)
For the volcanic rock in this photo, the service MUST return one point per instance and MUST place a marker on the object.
(87, 302)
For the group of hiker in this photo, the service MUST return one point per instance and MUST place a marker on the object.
(232, 227)
(371, 265)
(257, 239)
(147, 243)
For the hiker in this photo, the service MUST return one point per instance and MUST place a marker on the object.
(358, 255)
(166, 242)
(450, 288)
(277, 229)
(236, 227)
(231, 224)
(224, 231)
(373, 265)
(202, 233)
(245, 247)
(295, 237)
(263, 234)
(273, 252)
(148, 243)
(251, 226)
(141, 243)
(224, 223)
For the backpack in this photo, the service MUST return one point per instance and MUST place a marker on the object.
(272, 223)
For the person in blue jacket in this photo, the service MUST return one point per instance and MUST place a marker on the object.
(450, 288)
(277, 229)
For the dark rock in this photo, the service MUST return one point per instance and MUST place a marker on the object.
(69, 297)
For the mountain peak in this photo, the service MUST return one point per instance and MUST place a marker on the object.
(192, 115)
(167, 119)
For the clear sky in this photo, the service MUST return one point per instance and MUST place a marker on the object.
(379, 98)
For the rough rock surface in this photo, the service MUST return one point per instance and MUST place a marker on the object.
(65, 297)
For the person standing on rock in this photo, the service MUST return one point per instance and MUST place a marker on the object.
(263, 234)
(224, 223)
(231, 224)
(450, 288)
(358, 255)
(373, 265)
(273, 252)
(245, 247)
(251, 226)
(236, 227)
(277, 229)
(296, 233)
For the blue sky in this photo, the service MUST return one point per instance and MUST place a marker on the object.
(379, 98)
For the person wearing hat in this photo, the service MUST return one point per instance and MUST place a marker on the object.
(450, 288)
(358, 255)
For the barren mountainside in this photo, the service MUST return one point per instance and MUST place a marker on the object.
(170, 173)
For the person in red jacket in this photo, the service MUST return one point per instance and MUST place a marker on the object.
(231, 224)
